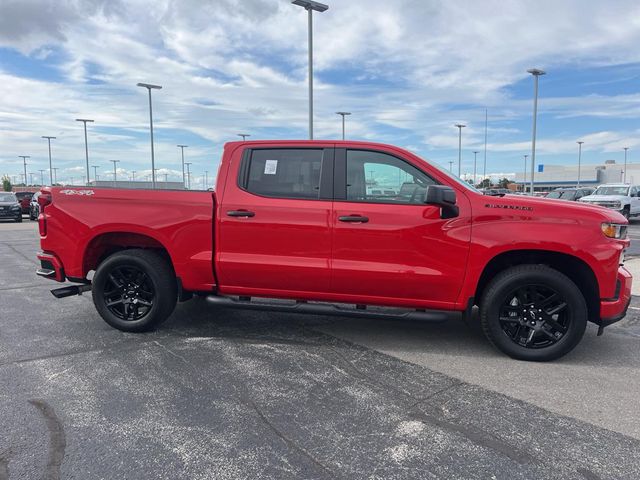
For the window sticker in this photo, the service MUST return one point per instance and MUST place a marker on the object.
(270, 167)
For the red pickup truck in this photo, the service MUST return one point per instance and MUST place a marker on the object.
(345, 228)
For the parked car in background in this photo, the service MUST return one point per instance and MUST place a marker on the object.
(24, 198)
(572, 194)
(34, 208)
(10, 208)
(616, 196)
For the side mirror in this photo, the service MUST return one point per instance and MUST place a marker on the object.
(445, 198)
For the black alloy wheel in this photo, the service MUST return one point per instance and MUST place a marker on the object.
(135, 290)
(533, 312)
(129, 294)
(534, 316)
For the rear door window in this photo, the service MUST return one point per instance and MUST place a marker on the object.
(285, 173)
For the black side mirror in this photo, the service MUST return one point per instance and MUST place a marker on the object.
(445, 198)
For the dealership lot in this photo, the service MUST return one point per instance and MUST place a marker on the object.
(218, 393)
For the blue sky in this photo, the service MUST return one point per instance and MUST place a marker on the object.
(408, 70)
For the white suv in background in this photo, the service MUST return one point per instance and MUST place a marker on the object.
(617, 196)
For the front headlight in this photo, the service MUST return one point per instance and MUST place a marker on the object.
(613, 230)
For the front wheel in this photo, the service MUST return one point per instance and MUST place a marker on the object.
(134, 290)
(19, 219)
(533, 312)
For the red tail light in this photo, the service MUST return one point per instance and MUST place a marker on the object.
(44, 199)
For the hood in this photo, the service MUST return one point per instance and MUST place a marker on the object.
(603, 198)
(555, 207)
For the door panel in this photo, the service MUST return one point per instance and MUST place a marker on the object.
(285, 245)
(405, 251)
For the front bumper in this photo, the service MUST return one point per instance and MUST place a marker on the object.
(50, 267)
(614, 309)
(6, 213)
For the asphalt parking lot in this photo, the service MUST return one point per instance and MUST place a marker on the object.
(226, 394)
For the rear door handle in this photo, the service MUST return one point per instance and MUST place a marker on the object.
(354, 219)
(240, 213)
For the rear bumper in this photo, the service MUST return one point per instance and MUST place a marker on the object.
(614, 309)
(50, 267)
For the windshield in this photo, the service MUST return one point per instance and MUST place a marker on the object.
(455, 178)
(561, 194)
(7, 197)
(621, 190)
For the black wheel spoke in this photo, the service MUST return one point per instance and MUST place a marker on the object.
(133, 296)
(534, 316)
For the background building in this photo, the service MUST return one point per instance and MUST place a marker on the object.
(548, 177)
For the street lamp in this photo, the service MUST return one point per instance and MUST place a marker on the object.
(50, 166)
(579, 159)
(95, 172)
(55, 175)
(115, 177)
(133, 175)
(182, 147)
(343, 114)
(243, 135)
(460, 127)
(41, 177)
(24, 161)
(310, 6)
(475, 155)
(536, 73)
(188, 175)
(524, 180)
(451, 166)
(206, 179)
(149, 87)
(624, 179)
(86, 145)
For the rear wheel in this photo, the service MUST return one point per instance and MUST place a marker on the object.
(135, 290)
(533, 312)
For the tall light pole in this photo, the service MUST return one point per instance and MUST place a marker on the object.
(86, 144)
(188, 176)
(150, 87)
(243, 135)
(55, 175)
(115, 174)
(624, 178)
(475, 155)
(206, 179)
(524, 180)
(50, 165)
(579, 159)
(30, 178)
(460, 127)
(24, 162)
(343, 114)
(41, 177)
(182, 147)
(133, 175)
(95, 172)
(486, 126)
(451, 166)
(310, 6)
(536, 72)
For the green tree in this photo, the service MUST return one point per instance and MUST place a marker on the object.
(504, 182)
(485, 183)
(6, 183)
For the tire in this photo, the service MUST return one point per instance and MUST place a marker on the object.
(19, 219)
(135, 290)
(522, 296)
(626, 212)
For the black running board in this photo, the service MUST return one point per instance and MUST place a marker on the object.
(70, 290)
(360, 311)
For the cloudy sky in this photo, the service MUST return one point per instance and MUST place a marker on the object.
(407, 69)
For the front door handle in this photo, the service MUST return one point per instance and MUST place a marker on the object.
(354, 219)
(240, 213)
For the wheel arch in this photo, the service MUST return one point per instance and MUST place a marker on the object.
(107, 243)
(573, 267)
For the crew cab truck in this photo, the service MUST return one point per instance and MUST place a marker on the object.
(295, 226)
